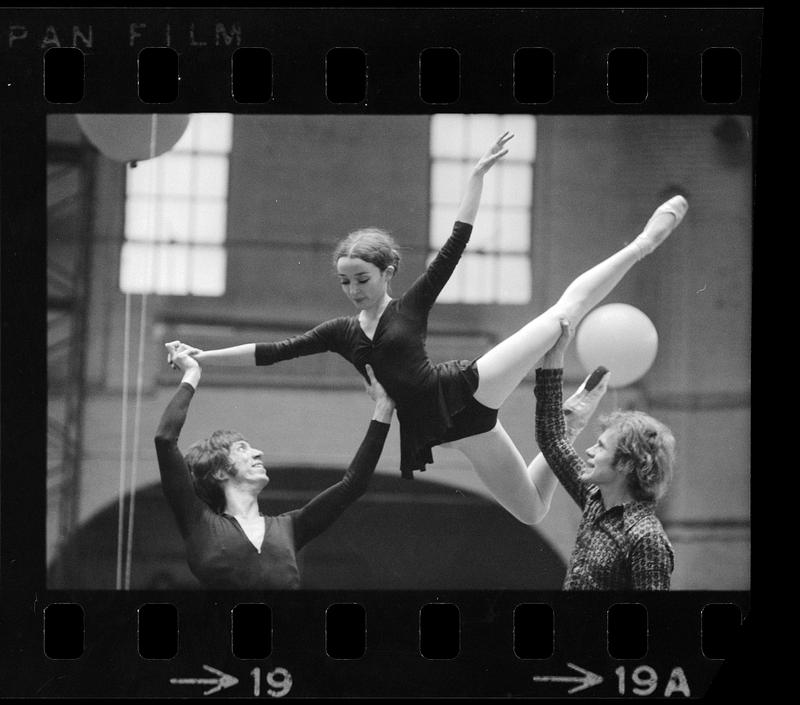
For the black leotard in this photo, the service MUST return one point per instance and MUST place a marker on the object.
(434, 401)
(219, 553)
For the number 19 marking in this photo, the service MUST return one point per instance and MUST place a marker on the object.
(279, 678)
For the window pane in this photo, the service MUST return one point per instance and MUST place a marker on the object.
(523, 146)
(211, 176)
(442, 219)
(187, 141)
(208, 271)
(447, 182)
(514, 230)
(176, 174)
(484, 234)
(517, 184)
(213, 132)
(170, 269)
(483, 130)
(174, 218)
(479, 276)
(514, 279)
(158, 269)
(137, 267)
(140, 218)
(207, 132)
(472, 281)
(493, 186)
(447, 136)
(504, 230)
(209, 221)
(143, 178)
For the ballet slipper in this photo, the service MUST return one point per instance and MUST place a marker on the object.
(649, 238)
(580, 407)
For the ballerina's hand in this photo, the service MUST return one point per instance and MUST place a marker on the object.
(172, 350)
(184, 361)
(176, 347)
(496, 152)
(554, 357)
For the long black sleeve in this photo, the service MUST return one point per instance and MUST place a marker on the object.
(175, 478)
(321, 338)
(326, 507)
(430, 284)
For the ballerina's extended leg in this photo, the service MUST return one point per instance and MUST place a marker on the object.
(505, 366)
(525, 491)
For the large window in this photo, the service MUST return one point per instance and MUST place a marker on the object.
(496, 266)
(176, 214)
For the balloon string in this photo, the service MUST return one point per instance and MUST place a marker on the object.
(124, 437)
(136, 433)
(139, 370)
(153, 127)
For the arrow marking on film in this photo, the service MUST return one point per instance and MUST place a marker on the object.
(223, 681)
(587, 680)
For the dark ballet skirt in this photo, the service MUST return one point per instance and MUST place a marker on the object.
(445, 411)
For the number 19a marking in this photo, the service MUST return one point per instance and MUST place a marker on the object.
(645, 680)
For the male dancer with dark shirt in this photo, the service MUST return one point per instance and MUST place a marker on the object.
(213, 492)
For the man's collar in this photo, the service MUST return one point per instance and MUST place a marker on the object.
(632, 512)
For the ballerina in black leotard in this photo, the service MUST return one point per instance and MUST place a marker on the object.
(454, 402)
(213, 492)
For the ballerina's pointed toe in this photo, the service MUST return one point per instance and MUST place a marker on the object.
(675, 206)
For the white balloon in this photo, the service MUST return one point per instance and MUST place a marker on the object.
(132, 137)
(620, 337)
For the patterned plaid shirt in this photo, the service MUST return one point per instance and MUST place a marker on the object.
(621, 548)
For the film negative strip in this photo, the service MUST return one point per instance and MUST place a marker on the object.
(185, 174)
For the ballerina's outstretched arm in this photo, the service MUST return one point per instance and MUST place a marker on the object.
(422, 294)
(468, 208)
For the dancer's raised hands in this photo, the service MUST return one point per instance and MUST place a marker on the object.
(492, 155)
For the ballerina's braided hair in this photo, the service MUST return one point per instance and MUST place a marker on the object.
(645, 452)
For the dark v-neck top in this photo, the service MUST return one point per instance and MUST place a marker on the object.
(218, 551)
(428, 395)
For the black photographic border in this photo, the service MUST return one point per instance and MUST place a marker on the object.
(299, 38)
